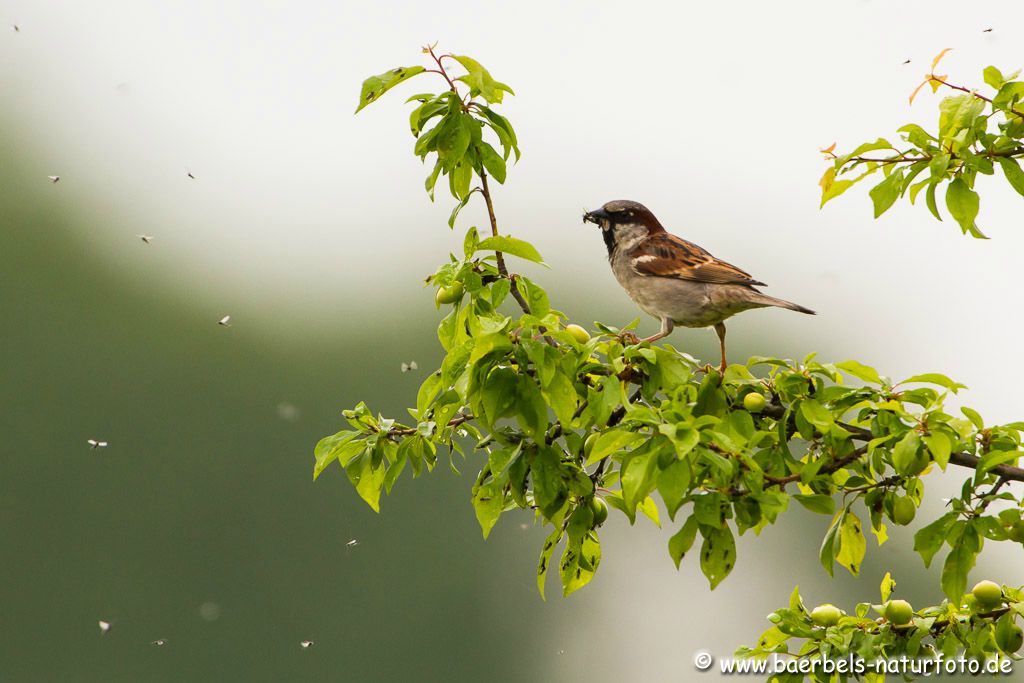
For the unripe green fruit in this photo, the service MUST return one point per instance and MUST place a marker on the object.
(898, 612)
(903, 511)
(449, 295)
(600, 510)
(578, 333)
(1010, 639)
(754, 402)
(1016, 532)
(588, 445)
(826, 615)
(987, 593)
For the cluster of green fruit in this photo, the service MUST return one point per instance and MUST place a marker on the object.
(986, 597)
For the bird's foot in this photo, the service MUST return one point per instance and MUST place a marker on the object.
(629, 339)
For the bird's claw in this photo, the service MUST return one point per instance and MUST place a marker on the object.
(628, 338)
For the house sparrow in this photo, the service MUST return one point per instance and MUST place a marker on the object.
(672, 279)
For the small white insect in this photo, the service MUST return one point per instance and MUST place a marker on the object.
(305, 644)
(17, 29)
(411, 365)
(353, 543)
(225, 321)
(159, 642)
(145, 238)
(104, 626)
(94, 444)
(189, 174)
(54, 178)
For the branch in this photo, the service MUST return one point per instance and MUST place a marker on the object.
(1010, 154)
(1007, 472)
(973, 93)
(409, 431)
(485, 190)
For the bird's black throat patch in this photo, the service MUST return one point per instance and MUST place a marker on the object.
(609, 240)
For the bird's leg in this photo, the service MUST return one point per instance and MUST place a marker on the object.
(720, 329)
(666, 329)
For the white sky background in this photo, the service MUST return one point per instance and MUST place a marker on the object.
(709, 113)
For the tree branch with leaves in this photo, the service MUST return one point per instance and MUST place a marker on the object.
(564, 422)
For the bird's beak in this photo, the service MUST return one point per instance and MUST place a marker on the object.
(596, 216)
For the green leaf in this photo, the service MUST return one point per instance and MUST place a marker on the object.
(488, 502)
(973, 416)
(545, 558)
(959, 563)
(929, 539)
(582, 553)
(885, 193)
(939, 446)
(457, 209)
(674, 484)
(930, 200)
(453, 138)
(562, 398)
(532, 409)
(904, 453)
(717, 554)
(340, 446)
(937, 379)
(993, 77)
(503, 129)
(431, 180)
(375, 86)
(367, 478)
(612, 441)
(480, 81)
(650, 510)
(827, 552)
(817, 414)
(852, 544)
(994, 459)
(492, 161)
(511, 245)
(549, 487)
(860, 371)
(817, 502)
(535, 296)
(958, 112)
(887, 587)
(1012, 171)
(682, 540)
(962, 203)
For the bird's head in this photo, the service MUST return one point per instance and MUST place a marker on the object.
(623, 223)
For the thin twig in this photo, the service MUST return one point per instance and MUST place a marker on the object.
(486, 191)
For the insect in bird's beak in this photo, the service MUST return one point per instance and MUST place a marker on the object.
(596, 216)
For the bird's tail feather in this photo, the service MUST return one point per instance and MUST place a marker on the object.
(782, 303)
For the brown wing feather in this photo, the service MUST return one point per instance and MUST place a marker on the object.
(666, 255)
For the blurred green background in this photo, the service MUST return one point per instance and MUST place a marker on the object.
(200, 523)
